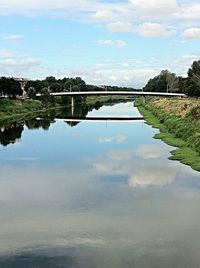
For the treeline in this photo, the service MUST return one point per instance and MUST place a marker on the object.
(52, 84)
(170, 82)
(11, 88)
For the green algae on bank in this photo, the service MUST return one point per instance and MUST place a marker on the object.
(183, 153)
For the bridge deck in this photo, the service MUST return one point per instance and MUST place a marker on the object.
(116, 93)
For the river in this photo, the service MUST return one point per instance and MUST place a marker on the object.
(96, 194)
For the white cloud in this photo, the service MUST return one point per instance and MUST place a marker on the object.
(16, 63)
(109, 42)
(102, 42)
(120, 27)
(11, 37)
(148, 29)
(192, 33)
(156, 6)
(8, 53)
(104, 15)
(121, 44)
(113, 78)
(11, 62)
(189, 12)
(133, 74)
(118, 16)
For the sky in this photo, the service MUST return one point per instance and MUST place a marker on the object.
(105, 42)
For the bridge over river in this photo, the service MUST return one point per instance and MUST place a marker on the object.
(111, 93)
(115, 93)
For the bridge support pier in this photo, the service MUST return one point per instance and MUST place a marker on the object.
(72, 106)
(144, 100)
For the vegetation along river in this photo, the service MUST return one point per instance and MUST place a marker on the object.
(95, 194)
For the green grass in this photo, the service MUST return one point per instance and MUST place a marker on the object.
(186, 156)
(183, 133)
(12, 110)
(170, 139)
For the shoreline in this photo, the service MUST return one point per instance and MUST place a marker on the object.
(183, 153)
(14, 110)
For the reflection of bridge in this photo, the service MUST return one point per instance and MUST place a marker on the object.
(102, 118)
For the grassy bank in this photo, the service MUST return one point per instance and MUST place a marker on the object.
(13, 110)
(92, 100)
(179, 124)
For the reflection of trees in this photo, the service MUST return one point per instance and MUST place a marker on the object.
(37, 123)
(81, 110)
(42, 121)
(11, 133)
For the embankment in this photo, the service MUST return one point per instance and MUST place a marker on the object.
(179, 124)
(12, 110)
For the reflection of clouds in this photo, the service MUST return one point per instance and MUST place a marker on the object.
(119, 139)
(44, 207)
(110, 167)
(119, 155)
(152, 151)
(153, 175)
(25, 159)
(120, 109)
(149, 171)
(69, 208)
(106, 140)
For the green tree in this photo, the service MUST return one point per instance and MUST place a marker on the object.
(10, 87)
(55, 87)
(194, 79)
(31, 92)
(45, 96)
(172, 82)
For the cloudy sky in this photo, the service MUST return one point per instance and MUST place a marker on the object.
(115, 42)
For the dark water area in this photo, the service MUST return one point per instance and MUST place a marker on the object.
(95, 194)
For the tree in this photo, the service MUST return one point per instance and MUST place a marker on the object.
(80, 83)
(55, 87)
(31, 92)
(68, 84)
(50, 79)
(45, 96)
(194, 78)
(157, 84)
(10, 87)
(172, 82)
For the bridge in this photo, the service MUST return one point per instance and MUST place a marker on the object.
(114, 93)
(111, 93)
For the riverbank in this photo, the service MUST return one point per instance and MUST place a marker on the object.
(179, 124)
(13, 110)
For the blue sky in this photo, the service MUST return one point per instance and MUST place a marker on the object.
(114, 42)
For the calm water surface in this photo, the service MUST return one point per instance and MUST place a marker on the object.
(98, 194)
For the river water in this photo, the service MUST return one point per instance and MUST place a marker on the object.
(96, 194)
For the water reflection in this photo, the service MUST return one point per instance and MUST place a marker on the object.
(10, 134)
(97, 196)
